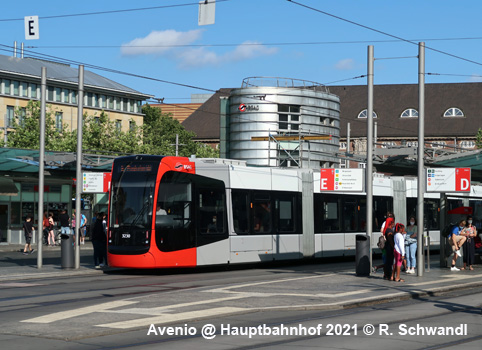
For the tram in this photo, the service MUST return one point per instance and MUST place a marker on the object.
(169, 211)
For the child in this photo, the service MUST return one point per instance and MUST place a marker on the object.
(399, 251)
(28, 230)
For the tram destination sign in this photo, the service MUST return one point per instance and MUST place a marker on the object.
(448, 180)
(348, 180)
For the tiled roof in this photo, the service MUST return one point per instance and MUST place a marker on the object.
(180, 111)
(389, 103)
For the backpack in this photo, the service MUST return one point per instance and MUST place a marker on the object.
(447, 230)
(381, 242)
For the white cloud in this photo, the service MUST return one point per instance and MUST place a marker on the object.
(166, 43)
(346, 64)
(160, 42)
(475, 78)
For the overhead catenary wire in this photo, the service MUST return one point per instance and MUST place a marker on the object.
(34, 54)
(109, 11)
(382, 32)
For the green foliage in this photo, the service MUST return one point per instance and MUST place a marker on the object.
(27, 131)
(100, 135)
(159, 136)
(478, 140)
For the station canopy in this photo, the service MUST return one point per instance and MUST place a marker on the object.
(401, 165)
(15, 161)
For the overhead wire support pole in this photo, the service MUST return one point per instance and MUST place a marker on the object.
(369, 167)
(40, 215)
(421, 151)
(78, 188)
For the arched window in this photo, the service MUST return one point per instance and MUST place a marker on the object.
(363, 114)
(453, 112)
(409, 113)
(438, 144)
(467, 144)
(388, 144)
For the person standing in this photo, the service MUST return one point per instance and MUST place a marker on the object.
(45, 225)
(99, 242)
(64, 223)
(28, 231)
(51, 230)
(73, 226)
(82, 229)
(469, 246)
(389, 248)
(398, 252)
(411, 244)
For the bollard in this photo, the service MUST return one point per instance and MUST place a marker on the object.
(426, 244)
(362, 258)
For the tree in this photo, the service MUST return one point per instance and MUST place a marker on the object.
(27, 131)
(159, 136)
(478, 140)
(100, 134)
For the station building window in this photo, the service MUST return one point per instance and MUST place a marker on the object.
(58, 121)
(409, 113)
(454, 112)
(363, 114)
(467, 144)
(10, 116)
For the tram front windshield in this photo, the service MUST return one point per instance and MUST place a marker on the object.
(132, 194)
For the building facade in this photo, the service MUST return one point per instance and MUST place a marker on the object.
(452, 118)
(20, 82)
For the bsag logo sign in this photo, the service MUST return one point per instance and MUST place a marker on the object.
(243, 108)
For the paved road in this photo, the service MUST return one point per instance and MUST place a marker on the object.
(88, 306)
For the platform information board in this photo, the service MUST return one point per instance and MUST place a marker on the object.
(348, 180)
(448, 180)
(96, 182)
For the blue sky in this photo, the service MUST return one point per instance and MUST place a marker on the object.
(253, 38)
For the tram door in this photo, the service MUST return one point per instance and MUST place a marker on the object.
(3, 222)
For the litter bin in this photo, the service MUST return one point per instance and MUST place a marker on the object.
(362, 258)
(67, 251)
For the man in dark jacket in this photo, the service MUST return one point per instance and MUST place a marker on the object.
(99, 241)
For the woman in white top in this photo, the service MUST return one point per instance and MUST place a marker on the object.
(399, 251)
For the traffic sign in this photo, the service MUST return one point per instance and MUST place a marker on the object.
(448, 180)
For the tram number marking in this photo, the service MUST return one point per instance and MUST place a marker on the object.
(126, 235)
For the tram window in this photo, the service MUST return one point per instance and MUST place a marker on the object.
(262, 213)
(286, 217)
(240, 211)
(432, 213)
(381, 205)
(211, 210)
(331, 217)
(362, 214)
(349, 215)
